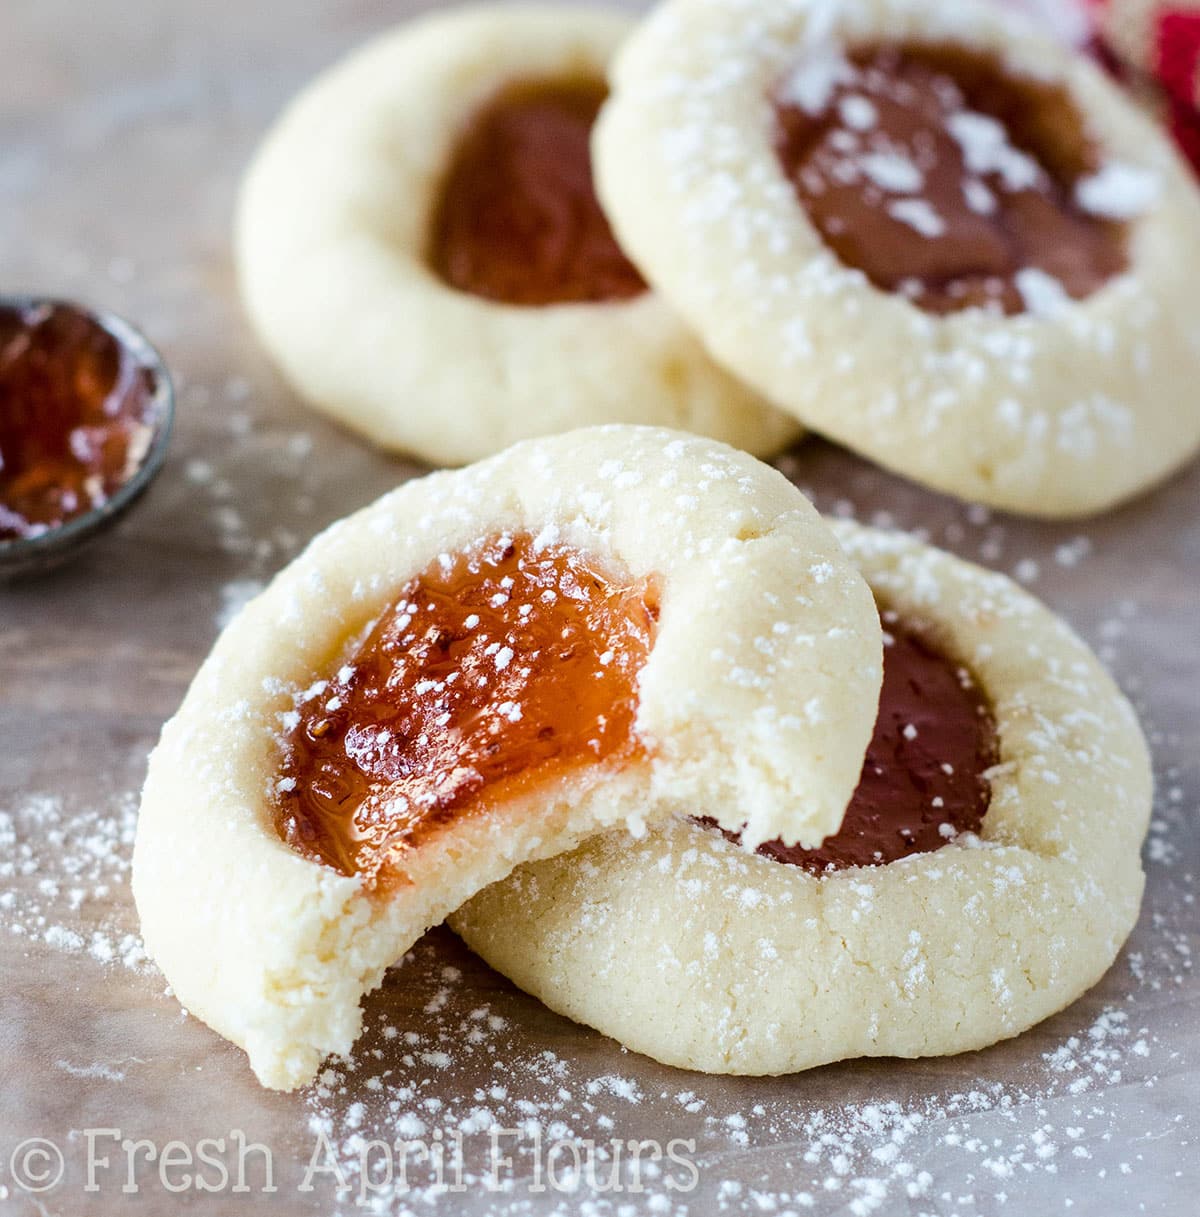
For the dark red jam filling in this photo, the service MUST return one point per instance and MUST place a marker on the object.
(947, 179)
(518, 220)
(76, 416)
(923, 781)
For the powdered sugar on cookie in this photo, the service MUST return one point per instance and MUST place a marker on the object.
(827, 193)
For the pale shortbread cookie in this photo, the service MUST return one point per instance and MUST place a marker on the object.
(758, 697)
(333, 238)
(686, 948)
(1063, 410)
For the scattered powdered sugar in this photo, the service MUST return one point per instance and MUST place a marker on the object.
(988, 148)
(892, 171)
(858, 113)
(235, 595)
(64, 877)
(559, 1129)
(111, 1072)
(811, 83)
(486, 1075)
(920, 215)
(476, 1059)
(1072, 552)
(1043, 294)
(1118, 191)
(480, 1074)
(276, 461)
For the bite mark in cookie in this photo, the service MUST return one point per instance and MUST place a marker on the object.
(654, 654)
(948, 179)
(518, 220)
(492, 671)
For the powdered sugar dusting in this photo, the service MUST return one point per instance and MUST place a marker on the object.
(831, 1141)
(454, 1057)
(1048, 416)
(485, 1073)
(1118, 191)
(759, 1145)
(811, 83)
(988, 149)
(1043, 294)
(61, 872)
(920, 215)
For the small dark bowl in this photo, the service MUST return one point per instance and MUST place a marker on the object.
(27, 556)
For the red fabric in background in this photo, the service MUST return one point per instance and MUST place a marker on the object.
(1174, 64)
(1177, 50)
(1185, 127)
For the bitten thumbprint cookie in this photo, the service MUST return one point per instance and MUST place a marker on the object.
(482, 669)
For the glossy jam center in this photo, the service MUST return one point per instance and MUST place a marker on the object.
(518, 220)
(491, 672)
(946, 179)
(923, 778)
(75, 417)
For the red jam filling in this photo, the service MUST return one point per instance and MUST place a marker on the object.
(518, 220)
(492, 672)
(76, 416)
(946, 179)
(923, 778)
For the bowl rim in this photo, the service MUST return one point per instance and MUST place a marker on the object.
(162, 406)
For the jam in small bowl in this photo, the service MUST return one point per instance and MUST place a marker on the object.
(86, 408)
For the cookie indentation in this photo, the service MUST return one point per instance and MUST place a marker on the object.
(518, 220)
(949, 180)
(923, 781)
(492, 671)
